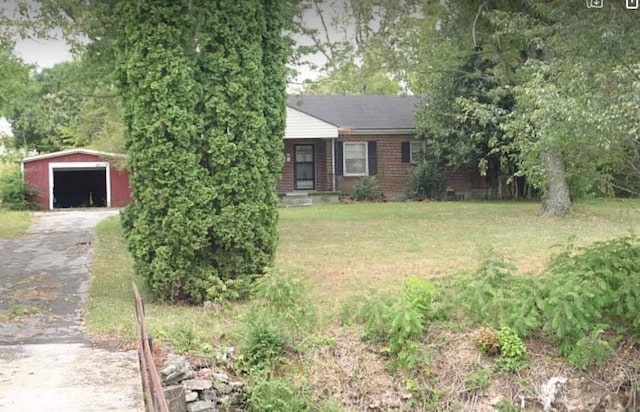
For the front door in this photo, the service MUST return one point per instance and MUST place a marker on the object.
(304, 167)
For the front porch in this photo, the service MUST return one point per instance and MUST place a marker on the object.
(308, 167)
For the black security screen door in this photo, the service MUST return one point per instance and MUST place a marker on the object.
(304, 167)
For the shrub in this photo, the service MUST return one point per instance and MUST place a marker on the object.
(426, 180)
(13, 190)
(275, 320)
(398, 321)
(512, 351)
(264, 338)
(284, 295)
(420, 293)
(583, 293)
(590, 348)
(367, 189)
(488, 340)
(492, 294)
(276, 394)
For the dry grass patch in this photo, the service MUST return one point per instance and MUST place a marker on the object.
(13, 223)
(343, 249)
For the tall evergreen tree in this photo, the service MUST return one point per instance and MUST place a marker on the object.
(203, 87)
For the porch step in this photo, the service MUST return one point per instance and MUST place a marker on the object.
(297, 199)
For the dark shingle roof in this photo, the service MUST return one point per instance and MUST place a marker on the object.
(359, 112)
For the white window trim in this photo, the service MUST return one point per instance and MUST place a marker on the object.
(79, 165)
(366, 159)
(414, 142)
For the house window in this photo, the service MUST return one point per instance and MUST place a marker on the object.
(417, 150)
(355, 159)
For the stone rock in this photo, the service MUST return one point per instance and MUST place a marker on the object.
(201, 406)
(191, 396)
(176, 400)
(176, 370)
(208, 395)
(197, 384)
(204, 373)
(221, 377)
(224, 388)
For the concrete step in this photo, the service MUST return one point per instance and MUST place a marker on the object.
(294, 200)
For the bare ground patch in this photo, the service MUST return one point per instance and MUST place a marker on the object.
(462, 378)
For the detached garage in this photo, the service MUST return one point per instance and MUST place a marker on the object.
(77, 178)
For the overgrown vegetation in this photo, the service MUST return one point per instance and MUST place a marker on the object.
(426, 181)
(14, 191)
(366, 189)
(585, 292)
(417, 330)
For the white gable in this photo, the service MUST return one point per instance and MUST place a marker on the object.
(303, 126)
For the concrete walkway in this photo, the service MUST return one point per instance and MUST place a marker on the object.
(46, 361)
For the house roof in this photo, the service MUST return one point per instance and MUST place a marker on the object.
(70, 152)
(359, 112)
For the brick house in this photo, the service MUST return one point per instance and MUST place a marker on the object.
(332, 141)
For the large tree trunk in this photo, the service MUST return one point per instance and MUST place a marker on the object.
(556, 200)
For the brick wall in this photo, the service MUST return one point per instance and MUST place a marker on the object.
(392, 172)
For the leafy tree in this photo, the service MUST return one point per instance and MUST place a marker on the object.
(203, 87)
(359, 42)
(67, 108)
(557, 60)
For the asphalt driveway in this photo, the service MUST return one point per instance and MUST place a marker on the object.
(46, 361)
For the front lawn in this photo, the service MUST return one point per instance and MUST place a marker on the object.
(346, 251)
(342, 249)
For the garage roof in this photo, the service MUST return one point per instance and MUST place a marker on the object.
(70, 152)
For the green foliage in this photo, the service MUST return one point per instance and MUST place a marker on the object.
(366, 189)
(480, 378)
(504, 405)
(276, 394)
(185, 339)
(14, 191)
(512, 351)
(582, 295)
(398, 321)
(204, 104)
(278, 318)
(420, 294)
(493, 295)
(284, 295)
(265, 338)
(358, 41)
(590, 348)
(506, 84)
(426, 180)
(239, 288)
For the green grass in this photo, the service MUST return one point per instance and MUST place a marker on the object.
(13, 223)
(110, 307)
(345, 249)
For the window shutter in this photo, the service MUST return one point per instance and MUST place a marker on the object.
(372, 151)
(406, 152)
(338, 153)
